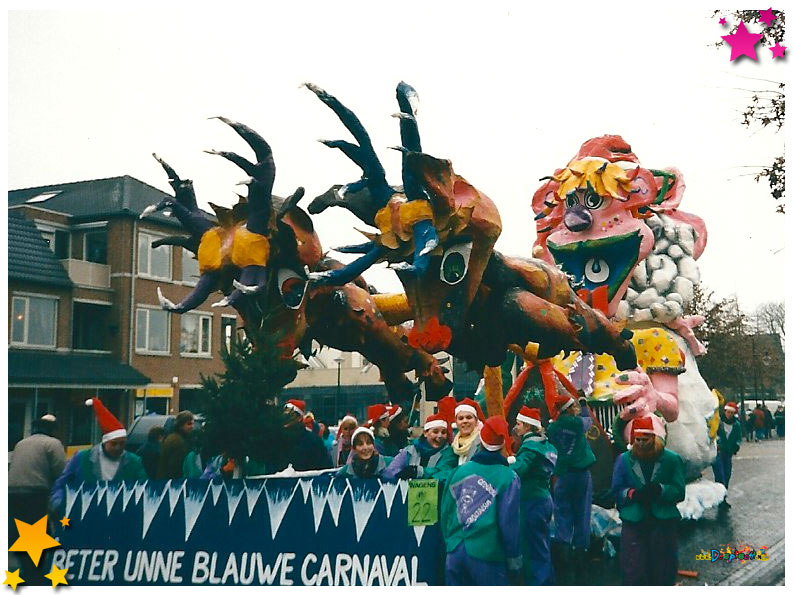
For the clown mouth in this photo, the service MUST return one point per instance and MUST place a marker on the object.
(597, 263)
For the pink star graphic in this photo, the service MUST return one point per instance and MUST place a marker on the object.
(778, 51)
(767, 17)
(742, 42)
(723, 21)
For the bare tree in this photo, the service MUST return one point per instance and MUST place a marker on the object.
(770, 317)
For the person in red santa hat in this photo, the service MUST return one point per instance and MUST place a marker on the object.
(647, 482)
(729, 439)
(469, 419)
(105, 461)
(534, 465)
(365, 461)
(420, 459)
(480, 514)
(378, 422)
(398, 431)
(302, 448)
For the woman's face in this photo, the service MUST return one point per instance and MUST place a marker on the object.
(467, 422)
(364, 447)
(436, 437)
(346, 431)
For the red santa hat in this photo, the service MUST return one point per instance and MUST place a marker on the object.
(308, 420)
(377, 412)
(297, 406)
(349, 417)
(563, 403)
(111, 427)
(435, 421)
(731, 406)
(470, 406)
(649, 424)
(529, 416)
(394, 411)
(494, 433)
(362, 430)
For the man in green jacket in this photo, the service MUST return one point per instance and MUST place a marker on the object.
(534, 465)
(729, 439)
(573, 486)
(647, 482)
(104, 462)
(479, 515)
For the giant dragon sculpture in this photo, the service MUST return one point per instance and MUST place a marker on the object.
(438, 232)
(256, 255)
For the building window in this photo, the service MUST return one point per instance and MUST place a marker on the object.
(190, 267)
(58, 241)
(34, 321)
(96, 246)
(196, 334)
(90, 326)
(228, 327)
(153, 262)
(152, 331)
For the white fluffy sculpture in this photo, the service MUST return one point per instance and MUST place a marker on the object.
(661, 288)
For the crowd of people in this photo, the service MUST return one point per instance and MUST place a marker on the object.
(515, 503)
(760, 421)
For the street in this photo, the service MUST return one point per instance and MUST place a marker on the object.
(756, 519)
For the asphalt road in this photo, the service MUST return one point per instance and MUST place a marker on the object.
(756, 518)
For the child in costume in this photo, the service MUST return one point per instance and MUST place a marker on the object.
(420, 458)
(365, 462)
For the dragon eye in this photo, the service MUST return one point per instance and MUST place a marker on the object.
(571, 200)
(291, 287)
(455, 263)
(593, 201)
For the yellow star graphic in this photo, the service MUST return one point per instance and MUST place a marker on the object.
(64, 522)
(57, 576)
(33, 539)
(12, 579)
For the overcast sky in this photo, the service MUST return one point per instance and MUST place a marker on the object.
(508, 93)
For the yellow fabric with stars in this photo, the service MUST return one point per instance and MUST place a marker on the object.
(249, 248)
(657, 351)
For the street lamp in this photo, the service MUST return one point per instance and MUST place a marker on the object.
(338, 359)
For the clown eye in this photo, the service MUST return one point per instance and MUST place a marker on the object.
(593, 201)
(455, 263)
(291, 287)
(571, 200)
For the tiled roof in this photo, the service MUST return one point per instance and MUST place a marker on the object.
(30, 368)
(29, 257)
(94, 199)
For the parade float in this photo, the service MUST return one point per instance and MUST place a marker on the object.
(580, 307)
(615, 227)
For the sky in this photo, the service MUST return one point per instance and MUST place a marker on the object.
(508, 93)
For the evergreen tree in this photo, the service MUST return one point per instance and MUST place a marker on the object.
(241, 418)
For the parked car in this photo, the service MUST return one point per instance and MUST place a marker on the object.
(139, 431)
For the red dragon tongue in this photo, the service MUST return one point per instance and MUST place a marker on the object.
(597, 298)
(435, 336)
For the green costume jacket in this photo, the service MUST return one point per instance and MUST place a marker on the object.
(668, 471)
(728, 442)
(567, 436)
(480, 508)
(534, 465)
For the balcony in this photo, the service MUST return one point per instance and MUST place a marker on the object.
(89, 274)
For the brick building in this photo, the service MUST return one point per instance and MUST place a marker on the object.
(84, 318)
